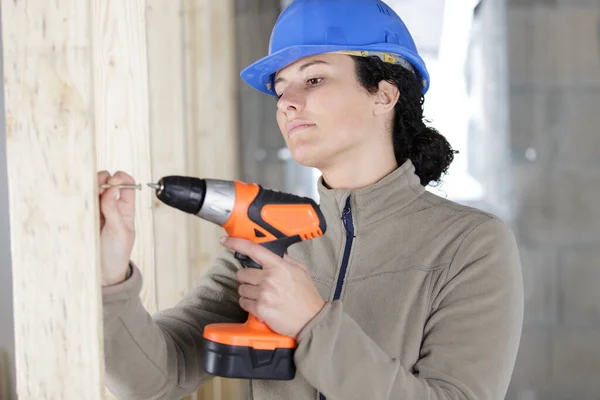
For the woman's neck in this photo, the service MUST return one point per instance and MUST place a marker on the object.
(355, 172)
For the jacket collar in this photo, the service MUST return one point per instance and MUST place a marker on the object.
(374, 202)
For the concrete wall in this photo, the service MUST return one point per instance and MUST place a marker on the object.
(554, 92)
(488, 147)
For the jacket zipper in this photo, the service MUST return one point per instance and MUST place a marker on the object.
(349, 226)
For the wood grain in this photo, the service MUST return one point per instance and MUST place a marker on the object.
(168, 146)
(211, 118)
(211, 108)
(122, 115)
(53, 199)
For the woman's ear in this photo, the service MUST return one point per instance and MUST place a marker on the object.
(386, 98)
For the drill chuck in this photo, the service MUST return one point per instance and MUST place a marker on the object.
(182, 192)
(209, 199)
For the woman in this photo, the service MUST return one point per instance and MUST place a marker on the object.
(406, 296)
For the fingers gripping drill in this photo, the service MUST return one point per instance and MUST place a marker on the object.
(275, 220)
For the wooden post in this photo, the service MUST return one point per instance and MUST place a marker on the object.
(168, 140)
(53, 198)
(211, 119)
(168, 145)
(85, 92)
(210, 77)
(123, 115)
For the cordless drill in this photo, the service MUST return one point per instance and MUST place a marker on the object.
(275, 220)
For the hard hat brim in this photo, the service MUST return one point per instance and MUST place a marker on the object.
(258, 75)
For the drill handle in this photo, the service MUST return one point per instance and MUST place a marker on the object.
(278, 247)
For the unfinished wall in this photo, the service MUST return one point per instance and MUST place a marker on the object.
(554, 74)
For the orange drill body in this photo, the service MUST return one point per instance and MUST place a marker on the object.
(289, 219)
(276, 220)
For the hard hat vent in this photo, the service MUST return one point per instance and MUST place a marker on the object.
(385, 10)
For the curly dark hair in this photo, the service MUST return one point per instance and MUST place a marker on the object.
(427, 149)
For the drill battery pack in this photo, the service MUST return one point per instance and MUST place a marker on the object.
(244, 362)
(248, 351)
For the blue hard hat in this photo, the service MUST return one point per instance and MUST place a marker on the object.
(358, 27)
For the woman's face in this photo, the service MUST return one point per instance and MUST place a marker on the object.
(324, 114)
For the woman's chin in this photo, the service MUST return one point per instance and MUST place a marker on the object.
(306, 157)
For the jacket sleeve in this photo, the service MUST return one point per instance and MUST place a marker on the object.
(469, 344)
(160, 356)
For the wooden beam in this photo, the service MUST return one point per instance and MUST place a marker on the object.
(168, 145)
(122, 111)
(211, 119)
(123, 117)
(53, 198)
(211, 108)
(164, 22)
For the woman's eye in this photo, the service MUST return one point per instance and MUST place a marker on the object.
(310, 82)
(314, 81)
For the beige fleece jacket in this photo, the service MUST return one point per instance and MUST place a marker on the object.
(424, 301)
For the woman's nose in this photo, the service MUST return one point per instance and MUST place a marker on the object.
(291, 101)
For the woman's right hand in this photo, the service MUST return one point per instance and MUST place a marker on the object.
(117, 228)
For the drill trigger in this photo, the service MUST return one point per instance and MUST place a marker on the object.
(278, 247)
(247, 262)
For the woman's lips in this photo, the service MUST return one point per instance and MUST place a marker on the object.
(297, 126)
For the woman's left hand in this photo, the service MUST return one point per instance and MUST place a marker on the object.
(281, 294)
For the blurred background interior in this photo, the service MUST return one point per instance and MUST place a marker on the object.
(516, 89)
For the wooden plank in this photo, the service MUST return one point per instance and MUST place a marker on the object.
(210, 107)
(211, 117)
(200, 119)
(168, 146)
(53, 199)
(122, 115)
